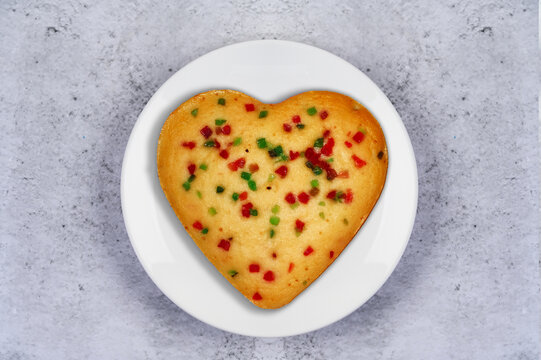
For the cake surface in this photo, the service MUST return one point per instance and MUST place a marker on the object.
(271, 193)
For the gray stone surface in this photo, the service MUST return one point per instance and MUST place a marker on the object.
(464, 75)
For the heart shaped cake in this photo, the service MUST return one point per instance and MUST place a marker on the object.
(272, 193)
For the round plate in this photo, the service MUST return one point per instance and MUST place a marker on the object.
(270, 71)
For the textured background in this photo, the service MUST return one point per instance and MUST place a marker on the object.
(464, 75)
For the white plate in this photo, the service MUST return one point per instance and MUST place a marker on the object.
(270, 71)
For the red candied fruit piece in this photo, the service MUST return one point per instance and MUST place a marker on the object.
(343, 174)
(274, 255)
(243, 196)
(224, 154)
(326, 133)
(191, 169)
(358, 137)
(349, 196)
(197, 225)
(290, 198)
(293, 155)
(331, 254)
(240, 162)
(218, 130)
(331, 174)
(256, 296)
(253, 268)
(299, 225)
(206, 132)
(235, 165)
(188, 144)
(358, 161)
(287, 127)
(303, 197)
(331, 194)
(226, 130)
(348, 144)
(324, 165)
(249, 107)
(269, 276)
(296, 119)
(217, 144)
(312, 156)
(245, 210)
(291, 266)
(327, 148)
(308, 251)
(224, 244)
(281, 171)
(323, 115)
(253, 168)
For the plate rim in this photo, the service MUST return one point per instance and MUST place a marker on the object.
(152, 100)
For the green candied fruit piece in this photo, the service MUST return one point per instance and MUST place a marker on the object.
(330, 159)
(322, 215)
(203, 166)
(219, 122)
(300, 126)
(199, 195)
(232, 273)
(252, 185)
(221, 101)
(209, 143)
(272, 232)
(294, 206)
(274, 220)
(271, 177)
(235, 196)
(212, 211)
(277, 151)
(245, 175)
(220, 189)
(261, 143)
(263, 114)
(283, 157)
(275, 209)
(205, 231)
(312, 111)
(314, 183)
(317, 170)
(237, 141)
(191, 178)
(253, 212)
(186, 186)
(194, 112)
(318, 143)
(321, 203)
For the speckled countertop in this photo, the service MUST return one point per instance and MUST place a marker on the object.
(464, 76)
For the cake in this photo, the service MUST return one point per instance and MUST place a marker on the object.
(271, 193)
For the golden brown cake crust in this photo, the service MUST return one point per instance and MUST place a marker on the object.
(272, 261)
